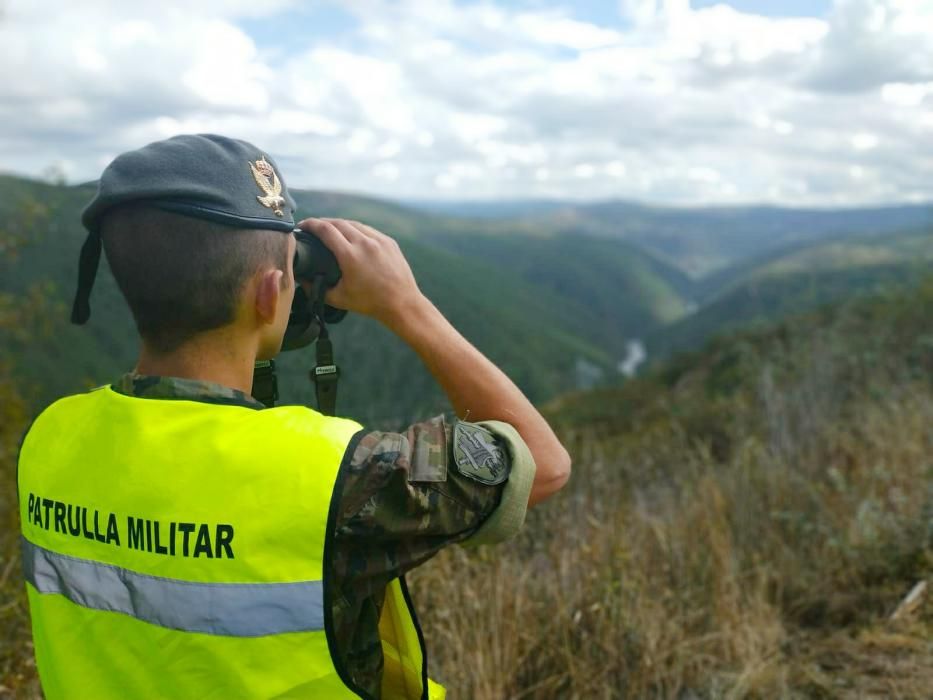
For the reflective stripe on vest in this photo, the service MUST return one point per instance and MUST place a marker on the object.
(121, 606)
(234, 609)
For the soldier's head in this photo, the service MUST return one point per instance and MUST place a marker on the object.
(197, 231)
(182, 276)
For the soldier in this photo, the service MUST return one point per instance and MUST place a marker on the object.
(180, 539)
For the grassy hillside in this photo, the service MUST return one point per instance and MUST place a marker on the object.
(741, 523)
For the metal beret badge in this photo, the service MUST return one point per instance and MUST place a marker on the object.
(268, 182)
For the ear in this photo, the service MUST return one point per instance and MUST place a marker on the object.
(268, 295)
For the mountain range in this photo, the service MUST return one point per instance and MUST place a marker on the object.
(553, 292)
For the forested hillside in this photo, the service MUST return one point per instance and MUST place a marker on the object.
(705, 240)
(554, 297)
(576, 320)
(797, 279)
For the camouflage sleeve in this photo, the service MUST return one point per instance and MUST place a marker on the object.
(403, 497)
(407, 495)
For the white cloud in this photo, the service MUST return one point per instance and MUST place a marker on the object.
(873, 42)
(615, 168)
(386, 171)
(295, 121)
(481, 100)
(98, 75)
(864, 141)
(906, 94)
(565, 32)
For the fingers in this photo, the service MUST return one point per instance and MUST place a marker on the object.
(374, 233)
(350, 231)
(377, 279)
(351, 241)
(353, 231)
(331, 236)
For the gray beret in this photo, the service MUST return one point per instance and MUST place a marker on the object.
(205, 176)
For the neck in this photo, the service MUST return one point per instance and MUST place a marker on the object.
(210, 357)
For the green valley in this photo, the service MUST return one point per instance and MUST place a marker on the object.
(556, 295)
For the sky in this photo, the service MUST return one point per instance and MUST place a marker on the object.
(674, 102)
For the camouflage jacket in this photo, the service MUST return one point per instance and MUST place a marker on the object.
(404, 497)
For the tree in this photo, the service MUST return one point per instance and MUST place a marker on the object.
(18, 322)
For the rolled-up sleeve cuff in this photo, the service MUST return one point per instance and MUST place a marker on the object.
(507, 519)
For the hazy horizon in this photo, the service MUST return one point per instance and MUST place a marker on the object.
(440, 204)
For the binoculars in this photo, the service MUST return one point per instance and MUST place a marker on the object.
(313, 258)
(313, 263)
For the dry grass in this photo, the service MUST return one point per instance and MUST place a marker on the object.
(742, 531)
(17, 667)
(761, 562)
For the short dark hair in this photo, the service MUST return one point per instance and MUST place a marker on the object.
(180, 275)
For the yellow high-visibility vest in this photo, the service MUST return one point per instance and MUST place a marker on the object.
(176, 549)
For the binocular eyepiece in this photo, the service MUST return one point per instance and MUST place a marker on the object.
(313, 258)
(313, 263)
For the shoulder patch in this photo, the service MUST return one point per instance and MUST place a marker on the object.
(477, 455)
